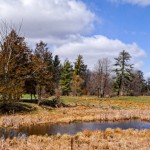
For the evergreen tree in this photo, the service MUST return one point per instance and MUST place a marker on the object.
(15, 58)
(79, 76)
(30, 82)
(79, 67)
(76, 83)
(56, 71)
(42, 64)
(66, 77)
(123, 73)
(137, 85)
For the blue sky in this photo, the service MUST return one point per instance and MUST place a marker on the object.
(124, 21)
(95, 29)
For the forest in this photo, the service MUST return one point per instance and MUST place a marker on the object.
(37, 72)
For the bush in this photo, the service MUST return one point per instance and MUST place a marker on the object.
(55, 102)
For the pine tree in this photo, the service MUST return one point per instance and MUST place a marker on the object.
(79, 76)
(66, 77)
(15, 58)
(76, 83)
(42, 64)
(123, 73)
(79, 67)
(56, 71)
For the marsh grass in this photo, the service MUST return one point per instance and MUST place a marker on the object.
(84, 109)
(114, 139)
(79, 113)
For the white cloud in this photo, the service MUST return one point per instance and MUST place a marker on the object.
(63, 25)
(134, 2)
(42, 18)
(147, 75)
(96, 47)
(55, 40)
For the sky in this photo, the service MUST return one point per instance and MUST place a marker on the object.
(95, 29)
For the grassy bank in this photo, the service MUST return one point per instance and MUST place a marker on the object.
(102, 111)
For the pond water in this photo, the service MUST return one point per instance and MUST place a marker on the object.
(73, 128)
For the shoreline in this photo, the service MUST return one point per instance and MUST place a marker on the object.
(68, 115)
(108, 139)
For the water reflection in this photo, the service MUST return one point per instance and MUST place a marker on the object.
(73, 128)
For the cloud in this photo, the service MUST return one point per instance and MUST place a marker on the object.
(147, 75)
(55, 41)
(64, 24)
(96, 47)
(134, 2)
(44, 18)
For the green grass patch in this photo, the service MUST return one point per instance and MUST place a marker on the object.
(26, 96)
(140, 99)
(94, 101)
(80, 100)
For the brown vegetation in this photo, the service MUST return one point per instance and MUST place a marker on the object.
(107, 111)
(87, 140)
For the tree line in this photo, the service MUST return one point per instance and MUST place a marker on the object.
(39, 73)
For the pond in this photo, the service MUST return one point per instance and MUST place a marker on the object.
(73, 128)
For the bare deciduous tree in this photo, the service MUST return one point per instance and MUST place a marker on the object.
(101, 77)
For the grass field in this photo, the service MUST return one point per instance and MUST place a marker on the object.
(86, 99)
(141, 99)
(91, 99)
(122, 102)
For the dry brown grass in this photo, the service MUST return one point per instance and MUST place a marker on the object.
(108, 111)
(87, 140)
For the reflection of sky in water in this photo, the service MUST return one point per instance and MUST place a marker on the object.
(72, 128)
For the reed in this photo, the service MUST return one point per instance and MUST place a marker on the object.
(109, 139)
(126, 111)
